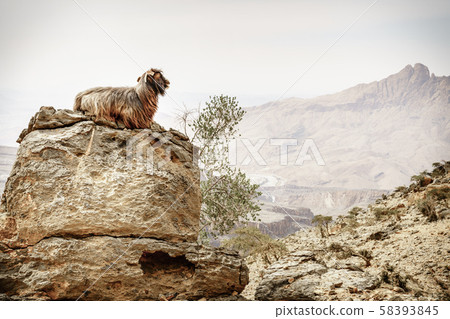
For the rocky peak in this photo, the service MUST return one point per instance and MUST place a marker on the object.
(406, 72)
(417, 74)
(421, 74)
(420, 68)
(410, 86)
(405, 87)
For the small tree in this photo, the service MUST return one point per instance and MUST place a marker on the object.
(428, 208)
(440, 169)
(419, 179)
(355, 211)
(322, 222)
(401, 189)
(251, 241)
(340, 220)
(228, 196)
(228, 199)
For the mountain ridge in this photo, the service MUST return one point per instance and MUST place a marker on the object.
(410, 76)
(372, 135)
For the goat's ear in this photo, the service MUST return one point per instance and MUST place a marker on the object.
(139, 78)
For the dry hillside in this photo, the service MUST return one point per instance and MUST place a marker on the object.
(396, 249)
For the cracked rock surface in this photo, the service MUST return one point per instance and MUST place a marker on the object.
(109, 268)
(83, 178)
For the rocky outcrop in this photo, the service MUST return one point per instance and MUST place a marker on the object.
(300, 276)
(81, 178)
(110, 268)
(91, 207)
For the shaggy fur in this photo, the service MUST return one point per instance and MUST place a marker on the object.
(132, 106)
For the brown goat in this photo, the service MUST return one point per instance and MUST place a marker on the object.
(132, 106)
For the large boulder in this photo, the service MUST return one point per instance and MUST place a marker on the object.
(301, 276)
(75, 178)
(94, 211)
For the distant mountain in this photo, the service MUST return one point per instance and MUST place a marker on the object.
(371, 136)
(320, 200)
(7, 158)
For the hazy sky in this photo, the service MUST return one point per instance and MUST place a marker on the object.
(254, 50)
